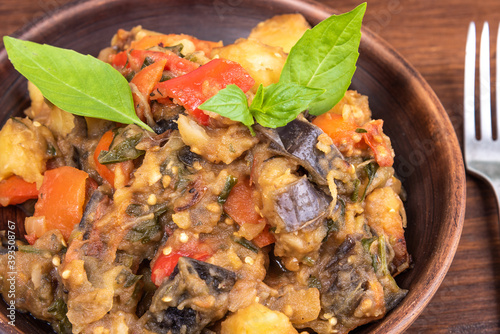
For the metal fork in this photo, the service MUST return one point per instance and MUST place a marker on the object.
(482, 156)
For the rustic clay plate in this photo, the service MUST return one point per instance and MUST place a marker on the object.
(428, 158)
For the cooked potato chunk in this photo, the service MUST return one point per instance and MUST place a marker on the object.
(281, 30)
(26, 146)
(354, 106)
(257, 319)
(263, 62)
(300, 305)
(60, 122)
(383, 213)
(224, 144)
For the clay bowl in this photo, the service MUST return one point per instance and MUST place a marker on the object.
(428, 158)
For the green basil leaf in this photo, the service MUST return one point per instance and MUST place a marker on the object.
(325, 57)
(230, 102)
(258, 98)
(79, 84)
(281, 103)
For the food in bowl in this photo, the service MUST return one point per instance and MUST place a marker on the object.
(213, 223)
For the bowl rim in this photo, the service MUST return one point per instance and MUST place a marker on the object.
(400, 318)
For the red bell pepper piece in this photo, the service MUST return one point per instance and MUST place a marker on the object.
(192, 89)
(105, 171)
(103, 145)
(119, 59)
(15, 190)
(374, 138)
(165, 264)
(145, 80)
(240, 205)
(264, 238)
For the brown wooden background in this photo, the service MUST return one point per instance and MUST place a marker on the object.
(431, 34)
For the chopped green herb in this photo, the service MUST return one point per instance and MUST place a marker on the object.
(247, 244)
(127, 278)
(383, 255)
(354, 195)
(313, 282)
(230, 182)
(31, 249)
(146, 230)
(51, 150)
(371, 171)
(175, 49)
(134, 210)
(331, 226)
(58, 309)
(342, 207)
(147, 61)
(122, 148)
(129, 76)
(375, 261)
(165, 77)
(367, 243)
(308, 261)
(360, 130)
(143, 232)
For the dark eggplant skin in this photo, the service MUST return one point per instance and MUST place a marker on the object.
(164, 315)
(300, 204)
(298, 140)
(164, 125)
(187, 157)
(98, 199)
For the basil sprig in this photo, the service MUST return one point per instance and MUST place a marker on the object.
(79, 84)
(273, 106)
(316, 75)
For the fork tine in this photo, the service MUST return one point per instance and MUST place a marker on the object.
(485, 83)
(497, 84)
(469, 83)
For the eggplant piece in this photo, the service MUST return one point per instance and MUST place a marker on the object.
(300, 204)
(176, 306)
(92, 211)
(164, 125)
(348, 278)
(187, 157)
(298, 140)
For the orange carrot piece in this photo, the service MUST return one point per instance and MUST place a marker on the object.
(61, 200)
(15, 190)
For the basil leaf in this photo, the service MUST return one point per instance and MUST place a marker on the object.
(79, 84)
(258, 99)
(281, 103)
(325, 57)
(230, 102)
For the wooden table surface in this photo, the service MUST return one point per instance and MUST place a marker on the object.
(431, 34)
